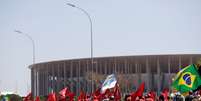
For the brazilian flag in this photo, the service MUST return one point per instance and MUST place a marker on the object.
(187, 79)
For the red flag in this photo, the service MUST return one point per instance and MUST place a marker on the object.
(82, 96)
(28, 97)
(37, 98)
(139, 92)
(165, 93)
(63, 92)
(133, 96)
(117, 94)
(51, 97)
(66, 95)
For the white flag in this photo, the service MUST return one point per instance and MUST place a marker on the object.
(109, 82)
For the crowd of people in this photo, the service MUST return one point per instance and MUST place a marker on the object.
(115, 95)
(165, 97)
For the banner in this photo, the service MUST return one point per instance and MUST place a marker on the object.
(109, 82)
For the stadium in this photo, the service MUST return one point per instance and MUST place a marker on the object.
(156, 71)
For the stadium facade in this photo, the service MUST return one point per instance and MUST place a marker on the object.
(156, 71)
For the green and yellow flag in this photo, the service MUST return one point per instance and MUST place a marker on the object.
(187, 79)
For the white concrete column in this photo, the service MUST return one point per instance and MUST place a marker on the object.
(169, 75)
(179, 62)
(148, 74)
(158, 74)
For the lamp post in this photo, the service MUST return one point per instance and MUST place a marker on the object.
(91, 33)
(32, 41)
(33, 52)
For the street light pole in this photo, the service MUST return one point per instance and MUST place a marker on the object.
(91, 32)
(33, 57)
(32, 41)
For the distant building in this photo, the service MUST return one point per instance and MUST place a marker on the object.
(155, 70)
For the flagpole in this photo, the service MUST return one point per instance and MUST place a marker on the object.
(91, 33)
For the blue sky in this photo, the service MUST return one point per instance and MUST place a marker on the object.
(120, 27)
